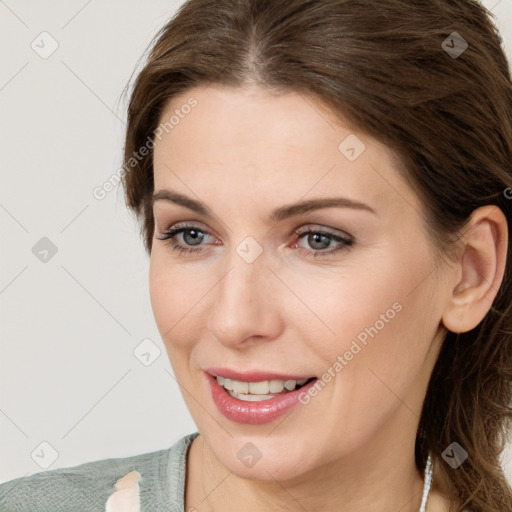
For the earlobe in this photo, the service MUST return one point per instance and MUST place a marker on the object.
(480, 269)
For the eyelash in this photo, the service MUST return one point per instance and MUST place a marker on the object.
(345, 242)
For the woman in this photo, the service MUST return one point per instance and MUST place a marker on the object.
(325, 195)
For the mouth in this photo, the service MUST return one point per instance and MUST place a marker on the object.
(260, 390)
(256, 397)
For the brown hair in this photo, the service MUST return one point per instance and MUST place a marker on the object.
(386, 68)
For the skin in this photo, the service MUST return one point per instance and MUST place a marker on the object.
(244, 152)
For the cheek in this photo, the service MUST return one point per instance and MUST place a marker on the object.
(175, 300)
(382, 335)
(381, 301)
(384, 323)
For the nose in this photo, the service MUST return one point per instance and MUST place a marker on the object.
(245, 303)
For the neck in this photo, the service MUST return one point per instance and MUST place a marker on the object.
(385, 480)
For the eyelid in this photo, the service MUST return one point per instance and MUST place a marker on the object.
(179, 224)
(324, 230)
(168, 234)
(172, 226)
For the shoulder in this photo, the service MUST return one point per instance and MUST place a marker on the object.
(88, 486)
(79, 488)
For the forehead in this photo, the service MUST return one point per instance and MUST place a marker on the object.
(288, 142)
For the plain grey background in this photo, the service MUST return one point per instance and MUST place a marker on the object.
(75, 308)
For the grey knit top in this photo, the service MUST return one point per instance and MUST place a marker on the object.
(160, 477)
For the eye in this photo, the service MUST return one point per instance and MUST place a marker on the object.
(320, 241)
(190, 234)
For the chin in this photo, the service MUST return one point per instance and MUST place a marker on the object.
(278, 467)
(262, 458)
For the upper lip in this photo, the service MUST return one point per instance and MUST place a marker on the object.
(254, 375)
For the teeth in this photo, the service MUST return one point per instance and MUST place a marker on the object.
(250, 398)
(276, 386)
(290, 385)
(260, 389)
(240, 387)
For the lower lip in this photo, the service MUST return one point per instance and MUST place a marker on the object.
(254, 413)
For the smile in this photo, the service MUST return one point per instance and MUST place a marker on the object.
(253, 399)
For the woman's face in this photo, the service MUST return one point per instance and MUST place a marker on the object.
(344, 293)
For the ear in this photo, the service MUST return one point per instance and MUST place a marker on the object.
(479, 269)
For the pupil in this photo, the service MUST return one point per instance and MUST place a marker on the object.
(195, 236)
(316, 238)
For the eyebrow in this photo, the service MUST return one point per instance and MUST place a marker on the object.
(278, 214)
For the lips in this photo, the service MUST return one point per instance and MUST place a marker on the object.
(254, 376)
(249, 412)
